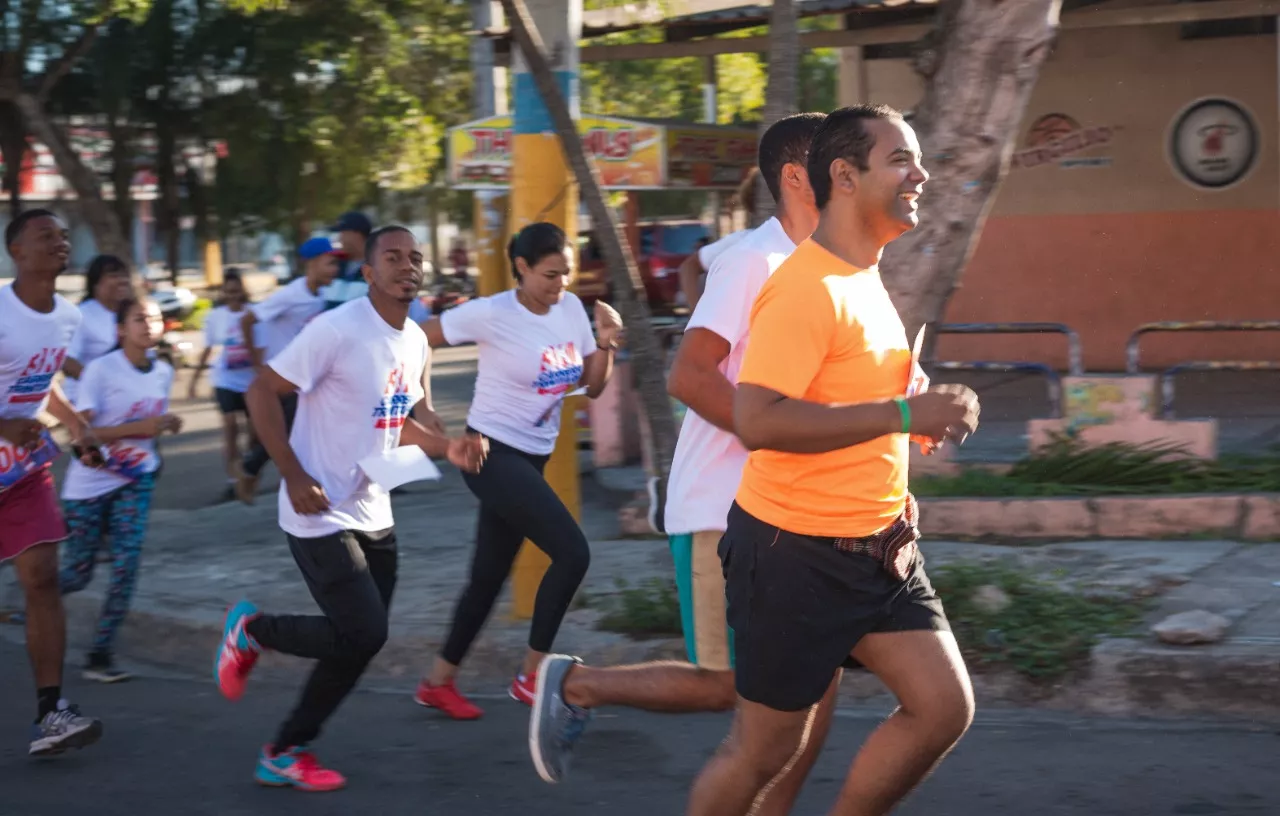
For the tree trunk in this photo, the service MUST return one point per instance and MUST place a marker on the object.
(170, 202)
(624, 277)
(97, 211)
(980, 64)
(122, 173)
(13, 146)
(783, 90)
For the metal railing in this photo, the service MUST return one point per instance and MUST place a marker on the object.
(1053, 381)
(1168, 376)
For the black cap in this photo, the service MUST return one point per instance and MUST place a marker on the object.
(354, 221)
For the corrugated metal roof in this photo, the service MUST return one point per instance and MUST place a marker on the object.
(621, 18)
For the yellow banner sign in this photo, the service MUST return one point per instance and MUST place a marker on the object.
(629, 154)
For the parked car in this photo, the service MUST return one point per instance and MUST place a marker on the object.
(664, 245)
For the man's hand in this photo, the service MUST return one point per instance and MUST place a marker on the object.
(608, 324)
(945, 412)
(171, 423)
(306, 495)
(23, 433)
(467, 453)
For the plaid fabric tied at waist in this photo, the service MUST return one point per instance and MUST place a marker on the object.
(894, 547)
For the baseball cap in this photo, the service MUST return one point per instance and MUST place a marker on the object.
(355, 221)
(315, 247)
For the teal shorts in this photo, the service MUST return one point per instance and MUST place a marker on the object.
(700, 587)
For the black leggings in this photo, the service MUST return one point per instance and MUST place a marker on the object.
(517, 503)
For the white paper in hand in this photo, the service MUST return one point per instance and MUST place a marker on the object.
(407, 463)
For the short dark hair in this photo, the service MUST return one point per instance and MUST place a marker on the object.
(371, 242)
(533, 243)
(16, 226)
(785, 142)
(843, 135)
(99, 266)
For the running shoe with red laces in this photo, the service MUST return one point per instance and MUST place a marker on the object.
(296, 768)
(448, 700)
(238, 653)
(524, 688)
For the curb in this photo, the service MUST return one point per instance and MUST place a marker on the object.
(1239, 517)
(188, 642)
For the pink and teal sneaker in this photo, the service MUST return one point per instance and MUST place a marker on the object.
(296, 768)
(238, 653)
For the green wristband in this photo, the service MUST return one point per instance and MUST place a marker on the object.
(905, 410)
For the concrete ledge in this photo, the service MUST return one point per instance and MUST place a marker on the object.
(1251, 517)
(1008, 518)
(1233, 678)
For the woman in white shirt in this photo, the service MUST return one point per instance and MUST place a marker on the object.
(536, 347)
(232, 373)
(107, 282)
(124, 395)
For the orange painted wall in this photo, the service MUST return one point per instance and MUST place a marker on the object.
(1105, 274)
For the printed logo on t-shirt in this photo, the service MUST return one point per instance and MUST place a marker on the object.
(125, 459)
(35, 380)
(560, 369)
(18, 463)
(235, 354)
(395, 403)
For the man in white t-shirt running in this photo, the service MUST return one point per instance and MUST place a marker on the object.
(279, 319)
(358, 370)
(699, 263)
(704, 477)
(36, 328)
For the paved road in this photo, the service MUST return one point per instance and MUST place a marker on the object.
(172, 745)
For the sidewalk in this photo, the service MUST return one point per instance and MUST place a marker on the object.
(197, 562)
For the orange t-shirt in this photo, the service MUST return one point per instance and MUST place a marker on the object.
(826, 332)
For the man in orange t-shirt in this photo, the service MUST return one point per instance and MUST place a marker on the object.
(820, 563)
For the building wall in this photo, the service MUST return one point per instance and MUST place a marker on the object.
(1105, 234)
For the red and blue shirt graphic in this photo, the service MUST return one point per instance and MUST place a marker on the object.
(559, 370)
(396, 403)
(28, 392)
(125, 459)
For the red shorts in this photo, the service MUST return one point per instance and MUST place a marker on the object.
(30, 515)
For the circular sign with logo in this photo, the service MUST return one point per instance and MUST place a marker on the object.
(1213, 143)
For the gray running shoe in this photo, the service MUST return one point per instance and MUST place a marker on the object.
(62, 729)
(554, 725)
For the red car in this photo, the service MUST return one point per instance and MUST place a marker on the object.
(663, 247)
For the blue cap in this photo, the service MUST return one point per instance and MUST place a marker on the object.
(315, 247)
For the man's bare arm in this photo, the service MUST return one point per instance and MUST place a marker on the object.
(696, 379)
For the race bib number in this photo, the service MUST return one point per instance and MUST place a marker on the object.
(237, 358)
(127, 461)
(18, 463)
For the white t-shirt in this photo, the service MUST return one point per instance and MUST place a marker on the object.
(234, 368)
(285, 312)
(358, 380)
(708, 254)
(33, 346)
(708, 462)
(95, 337)
(115, 392)
(528, 362)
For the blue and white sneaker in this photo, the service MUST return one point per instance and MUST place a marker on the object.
(555, 725)
(63, 729)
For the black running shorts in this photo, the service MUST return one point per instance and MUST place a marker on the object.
(798, 607)
(229, 402)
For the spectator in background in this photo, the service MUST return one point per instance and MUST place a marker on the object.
(353, 230)
(233, 371)
(282, 317)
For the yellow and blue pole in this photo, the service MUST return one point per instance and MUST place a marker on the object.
(543, 189)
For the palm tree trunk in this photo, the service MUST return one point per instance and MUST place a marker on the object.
(980, 64)
(628, 290)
